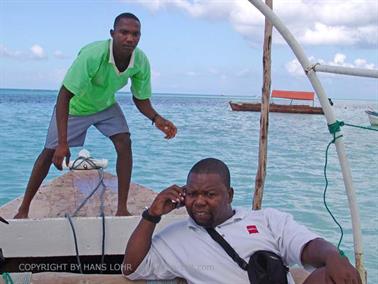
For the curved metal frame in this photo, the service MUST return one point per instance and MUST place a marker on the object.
(331, 118)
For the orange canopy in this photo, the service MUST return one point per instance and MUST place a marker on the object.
(294, 95)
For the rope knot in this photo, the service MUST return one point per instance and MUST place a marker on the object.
(335, 127)
(311, 68)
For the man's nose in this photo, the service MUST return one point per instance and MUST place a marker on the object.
(200, 201)
(129, 38)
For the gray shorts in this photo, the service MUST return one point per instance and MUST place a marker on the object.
(109, 122)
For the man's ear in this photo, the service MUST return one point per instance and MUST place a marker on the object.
(230, 194)
(111, 32)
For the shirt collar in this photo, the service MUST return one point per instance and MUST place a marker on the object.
(112, 61)
(239, 215)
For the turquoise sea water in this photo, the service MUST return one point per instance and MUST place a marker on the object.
(208, 128)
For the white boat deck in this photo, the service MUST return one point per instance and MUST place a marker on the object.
(64, 194)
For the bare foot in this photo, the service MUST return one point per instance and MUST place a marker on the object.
(21, 215)
(123, 212)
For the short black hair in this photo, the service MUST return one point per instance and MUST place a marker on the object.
(125, 16)
(212, 166)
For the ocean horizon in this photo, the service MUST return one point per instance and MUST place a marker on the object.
(208, 128)
(55, 91)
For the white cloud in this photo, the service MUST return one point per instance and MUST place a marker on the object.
(59, 54)
(352, 22)
(37, 52)
(294, 67)
(340, 59)
(362, 63)
(192, 74)
(346, 13)
(214, 71)
(221, 74)
(5, 52)
(243, 73)
(323, 34)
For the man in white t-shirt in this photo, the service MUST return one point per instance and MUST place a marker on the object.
(185, 249)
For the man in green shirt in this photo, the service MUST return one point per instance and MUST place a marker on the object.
(87, 97)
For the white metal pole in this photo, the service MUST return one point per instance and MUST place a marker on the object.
(372, 73)
(331, 118)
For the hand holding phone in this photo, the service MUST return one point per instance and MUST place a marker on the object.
(169, 199)
(180, 202)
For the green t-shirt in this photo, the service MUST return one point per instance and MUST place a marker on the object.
(94, 79)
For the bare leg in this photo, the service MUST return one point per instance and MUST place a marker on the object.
(39, 172)
(122, 144)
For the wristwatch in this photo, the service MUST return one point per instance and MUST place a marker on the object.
(148, 217)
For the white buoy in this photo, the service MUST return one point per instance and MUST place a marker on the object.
(84, 161)
(84, 153)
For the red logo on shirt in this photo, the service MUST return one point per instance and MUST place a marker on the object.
(252, 229)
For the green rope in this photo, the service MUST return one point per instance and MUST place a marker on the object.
(335, 127)
(362, 127)
(7, 278)
(324, 195)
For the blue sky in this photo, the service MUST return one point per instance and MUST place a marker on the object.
(200, 47)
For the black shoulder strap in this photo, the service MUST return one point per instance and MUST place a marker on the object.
(226, 246)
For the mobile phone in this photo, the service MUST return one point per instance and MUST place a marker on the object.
(182, 202)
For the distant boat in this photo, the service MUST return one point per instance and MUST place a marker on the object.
(373, 117)
(285, 108)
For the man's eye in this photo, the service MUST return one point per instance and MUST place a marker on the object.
(210, 194)
(190, 194)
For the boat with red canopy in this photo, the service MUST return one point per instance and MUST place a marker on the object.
(285, 108)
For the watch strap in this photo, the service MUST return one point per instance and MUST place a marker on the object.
(147, 216)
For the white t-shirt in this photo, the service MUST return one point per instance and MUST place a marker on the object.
(184, 249)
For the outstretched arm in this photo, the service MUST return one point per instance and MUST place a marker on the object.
(140, 241)
(166, 126)
(62, 107)
(337, 268)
